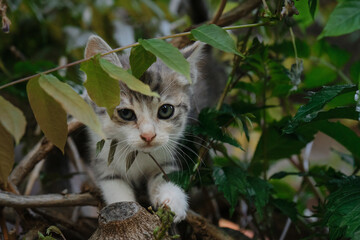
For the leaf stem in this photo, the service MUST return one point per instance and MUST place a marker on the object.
(294, 46)
(121, 49)
(162, 170)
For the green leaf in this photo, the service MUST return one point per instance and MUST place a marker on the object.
(274, 145)
(102, 89)
(286, 207)
(342, 210)
(216, 37)
(259, 193)
(71, 102)
(53, 229)
(344, 19)
(355, 71)
(49, 114)
(169, 54)
(231, 181)
(319, 76)
(317, 101)
(140, 60)
(41, 236)
(312, 7)
(210, 124)
(341, 133)
(12, 119)
(125, 77)
(181, 178)
(6, 154)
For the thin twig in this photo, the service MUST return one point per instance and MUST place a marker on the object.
(47, 200)
(162, 170)
(309, 180)
(219, 12)
(33, 177)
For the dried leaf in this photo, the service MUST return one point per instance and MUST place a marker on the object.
(130, 159)
(6, 155)
(112, 150)
(12, 119)
(49, 114)
(99, 146)
(71, 102)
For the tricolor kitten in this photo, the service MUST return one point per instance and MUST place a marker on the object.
(144, 125)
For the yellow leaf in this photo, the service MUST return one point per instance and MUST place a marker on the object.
(12, 119)
(71, 102)
(6, 154)
(48, 113)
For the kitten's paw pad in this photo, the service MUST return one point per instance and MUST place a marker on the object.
(173, 197)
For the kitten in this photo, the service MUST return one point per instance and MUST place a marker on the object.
(142, 125)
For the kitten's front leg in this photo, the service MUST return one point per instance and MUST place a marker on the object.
(116, 190)
(167, 193)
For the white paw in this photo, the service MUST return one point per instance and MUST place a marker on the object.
(174, 197)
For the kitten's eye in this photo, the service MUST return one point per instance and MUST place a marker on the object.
(127, 114)
(165, 111)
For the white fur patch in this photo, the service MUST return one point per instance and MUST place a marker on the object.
(174, 197)
(116, 191)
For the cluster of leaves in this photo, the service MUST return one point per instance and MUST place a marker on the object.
(330, 110)
(51, 99)
(267, 89)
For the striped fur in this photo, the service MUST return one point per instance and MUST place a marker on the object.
(118, 183)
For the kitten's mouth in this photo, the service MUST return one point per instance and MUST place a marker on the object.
(148, 147)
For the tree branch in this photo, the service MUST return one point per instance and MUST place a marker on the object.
(38, 153)
(219, 12)
(205, 229)
(47, 200)
(239, 12)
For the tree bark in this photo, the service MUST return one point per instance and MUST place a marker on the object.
(126, 221)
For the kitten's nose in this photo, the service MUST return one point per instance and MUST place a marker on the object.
(148, 137)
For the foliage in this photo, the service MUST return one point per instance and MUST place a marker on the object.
(285, 83)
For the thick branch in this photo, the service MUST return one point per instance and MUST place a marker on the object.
(39, 152)
(206, 230)
(47, 200)
(241, 11)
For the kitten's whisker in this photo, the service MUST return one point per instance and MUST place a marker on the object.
(188, 166)
(184, 146)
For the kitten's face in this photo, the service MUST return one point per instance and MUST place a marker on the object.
(147, 123)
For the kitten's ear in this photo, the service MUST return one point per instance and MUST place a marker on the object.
(194, 54)
(97, 45)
